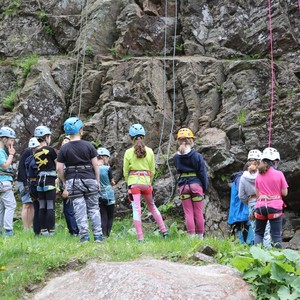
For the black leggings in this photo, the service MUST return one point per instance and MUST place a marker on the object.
(107, 218)
(47, 209)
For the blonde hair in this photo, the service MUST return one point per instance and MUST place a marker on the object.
(185, 144)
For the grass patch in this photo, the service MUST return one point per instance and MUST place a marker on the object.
(27, 261)
(8, 102)
(26, 63)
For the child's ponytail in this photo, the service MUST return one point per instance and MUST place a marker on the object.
(139, 148)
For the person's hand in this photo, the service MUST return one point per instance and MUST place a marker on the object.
(65, 194)
(252, 169)
(11, 150)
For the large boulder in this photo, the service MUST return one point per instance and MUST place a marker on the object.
(147, 279)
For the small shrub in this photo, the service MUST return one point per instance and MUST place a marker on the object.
(241, 118)
(8, 102)
(27, 62)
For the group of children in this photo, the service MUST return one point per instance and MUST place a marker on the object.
(83, 176)
(256, 205)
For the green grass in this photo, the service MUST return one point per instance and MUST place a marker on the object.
(26, 62)
(8, 102)
(27, 261)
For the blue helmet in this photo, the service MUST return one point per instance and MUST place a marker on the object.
(72, 125)
(103, 151)
(7, 132)
(136, 129)
(41, 131)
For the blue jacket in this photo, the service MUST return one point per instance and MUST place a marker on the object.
(191, 162)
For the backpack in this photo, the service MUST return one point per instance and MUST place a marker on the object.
(32, 173)
(239, 213)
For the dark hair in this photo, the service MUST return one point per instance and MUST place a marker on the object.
(139, 147)
(264, 166)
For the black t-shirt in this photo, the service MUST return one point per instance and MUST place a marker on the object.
(78, 153)
(21, 168)
(45, 159)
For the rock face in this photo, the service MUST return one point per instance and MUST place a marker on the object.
(147, 279)
(198, 64)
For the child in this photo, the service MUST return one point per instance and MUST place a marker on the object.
(270, 186)
(81, 179)
(23, 185)
(7, 198)
(138, 170)
(68, 208)
(193, 182)
(45, 158)
(106, 194)
(247, 192)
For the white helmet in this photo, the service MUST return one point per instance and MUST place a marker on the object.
(271, 154)
(254, 154)
(33, 142)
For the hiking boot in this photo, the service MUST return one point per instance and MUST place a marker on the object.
(8, 233)
(141, 240)
(84, 239)
(51, 232)
(98, 238)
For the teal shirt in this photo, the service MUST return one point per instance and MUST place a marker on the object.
(3, 159)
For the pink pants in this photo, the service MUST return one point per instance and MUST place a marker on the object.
(136, 191)
(193, 210)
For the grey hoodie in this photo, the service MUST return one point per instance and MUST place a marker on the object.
(247, 188)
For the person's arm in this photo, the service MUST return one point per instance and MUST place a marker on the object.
(284, 192)
(60, 171)
(202, 173)
(125, 167)
(96, 170)
(152, 166)
(7, 164)
(242, 193)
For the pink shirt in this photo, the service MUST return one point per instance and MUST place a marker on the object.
(271, 184)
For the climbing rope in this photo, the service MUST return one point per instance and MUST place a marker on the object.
(272, 72)
(173, 102)
(79, 53)
(164, 82)
(299, 4)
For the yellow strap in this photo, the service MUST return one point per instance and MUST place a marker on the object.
(188, 174)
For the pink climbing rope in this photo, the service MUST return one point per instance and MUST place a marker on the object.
(272, 73)
(299, 4)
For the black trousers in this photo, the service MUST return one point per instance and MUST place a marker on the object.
(107, 218)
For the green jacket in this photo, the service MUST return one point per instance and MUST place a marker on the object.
(133, 163)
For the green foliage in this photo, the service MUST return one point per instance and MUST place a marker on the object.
(8, 102)
(112, 51)
(89, 52)
(179, 48)
(241, 118)
(27, 62)
(225, 178)
(219, 89)
(43, 17)
(13, 7)
(167, 207)
(273, 274)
